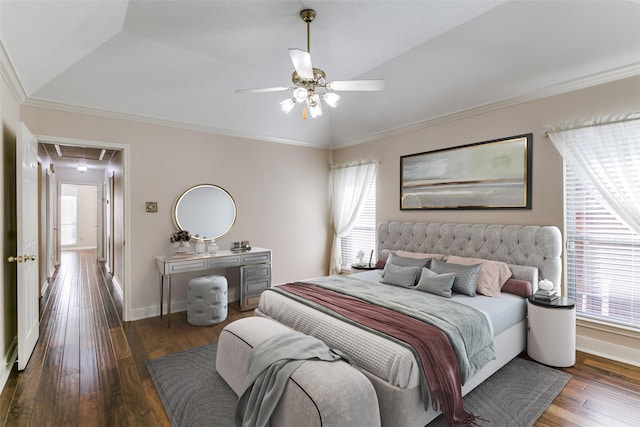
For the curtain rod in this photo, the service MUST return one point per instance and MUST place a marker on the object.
(354, 163)
(593, 122)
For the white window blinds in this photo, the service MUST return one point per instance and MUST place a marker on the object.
(603, 259)
(362, 236)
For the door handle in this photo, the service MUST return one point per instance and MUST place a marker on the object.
(30, 257)
(17, 259)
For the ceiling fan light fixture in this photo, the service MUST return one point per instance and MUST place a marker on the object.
(300, 94)
(331, 99)
(310, 84)
(287, 105)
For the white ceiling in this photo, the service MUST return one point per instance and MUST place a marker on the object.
(181, 61)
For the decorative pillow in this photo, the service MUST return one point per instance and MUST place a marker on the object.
(402, 261)
(518, 287)
(434, 283)
(524, 272)
(400, 276)
(405, 262)
(466, 276)
(419, 255)
(493, 274)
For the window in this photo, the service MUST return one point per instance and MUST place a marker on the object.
(362, 236)
(68, 215)
(603, 259)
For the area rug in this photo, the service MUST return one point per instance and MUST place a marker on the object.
(194, 394)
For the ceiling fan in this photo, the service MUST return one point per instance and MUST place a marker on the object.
(310, 84)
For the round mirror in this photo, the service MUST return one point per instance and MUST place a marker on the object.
(206, 210)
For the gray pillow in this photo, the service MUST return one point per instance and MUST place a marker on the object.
(400, 276)
(466, 275)
(434, 283)
(404, 261)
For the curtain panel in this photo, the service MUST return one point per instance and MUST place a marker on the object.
(604, 153)
(350, 186)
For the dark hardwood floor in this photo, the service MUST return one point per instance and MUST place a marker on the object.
(88, 368)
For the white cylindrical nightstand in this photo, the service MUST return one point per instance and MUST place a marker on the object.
(551, 337)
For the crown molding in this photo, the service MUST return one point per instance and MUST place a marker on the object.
(8, 72)
(69, 108)
(566, 87)
(10, 76)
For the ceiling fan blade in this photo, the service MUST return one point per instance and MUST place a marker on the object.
(302, 63)
(356, 85)
(264, 89)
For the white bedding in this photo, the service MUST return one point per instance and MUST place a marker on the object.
(382, 357)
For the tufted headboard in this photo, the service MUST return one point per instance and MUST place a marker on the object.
(518, 245)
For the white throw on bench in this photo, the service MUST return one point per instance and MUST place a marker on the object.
(327, 394)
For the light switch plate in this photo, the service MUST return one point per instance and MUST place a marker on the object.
(151, 207)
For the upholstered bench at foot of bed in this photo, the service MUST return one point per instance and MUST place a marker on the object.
(318, 393)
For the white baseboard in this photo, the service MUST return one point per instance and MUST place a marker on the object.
(9, 360)
(608, 350)
(44, 287)
(116, 285)
(613, 342)
(154, 310)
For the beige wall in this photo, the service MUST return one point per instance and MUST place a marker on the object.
(280, 191)
(534, 116)
(9, 116)
(547, 204)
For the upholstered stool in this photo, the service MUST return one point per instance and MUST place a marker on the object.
(207, 300)
(328, 394)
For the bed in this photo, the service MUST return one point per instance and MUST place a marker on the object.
(532, 253)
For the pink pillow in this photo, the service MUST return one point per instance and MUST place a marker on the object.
(518, 287)
(493, 274)
(419, 255)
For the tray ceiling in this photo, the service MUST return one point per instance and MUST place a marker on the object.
(180, 61)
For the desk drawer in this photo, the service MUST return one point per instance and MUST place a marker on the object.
(252, 288)
(222, 262)
(193, 265)
(249, 302)
(256, 258)
(256, 272)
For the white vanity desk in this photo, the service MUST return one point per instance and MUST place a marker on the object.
(255, 272)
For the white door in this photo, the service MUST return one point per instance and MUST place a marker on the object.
(27, 217)
(99, 223)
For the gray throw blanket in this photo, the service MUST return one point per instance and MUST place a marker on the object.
(271, 364)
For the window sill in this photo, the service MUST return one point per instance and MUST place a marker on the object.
(599, 325)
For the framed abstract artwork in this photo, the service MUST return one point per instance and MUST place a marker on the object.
(485, 175)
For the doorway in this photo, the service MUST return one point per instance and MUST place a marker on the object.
(91, 202)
